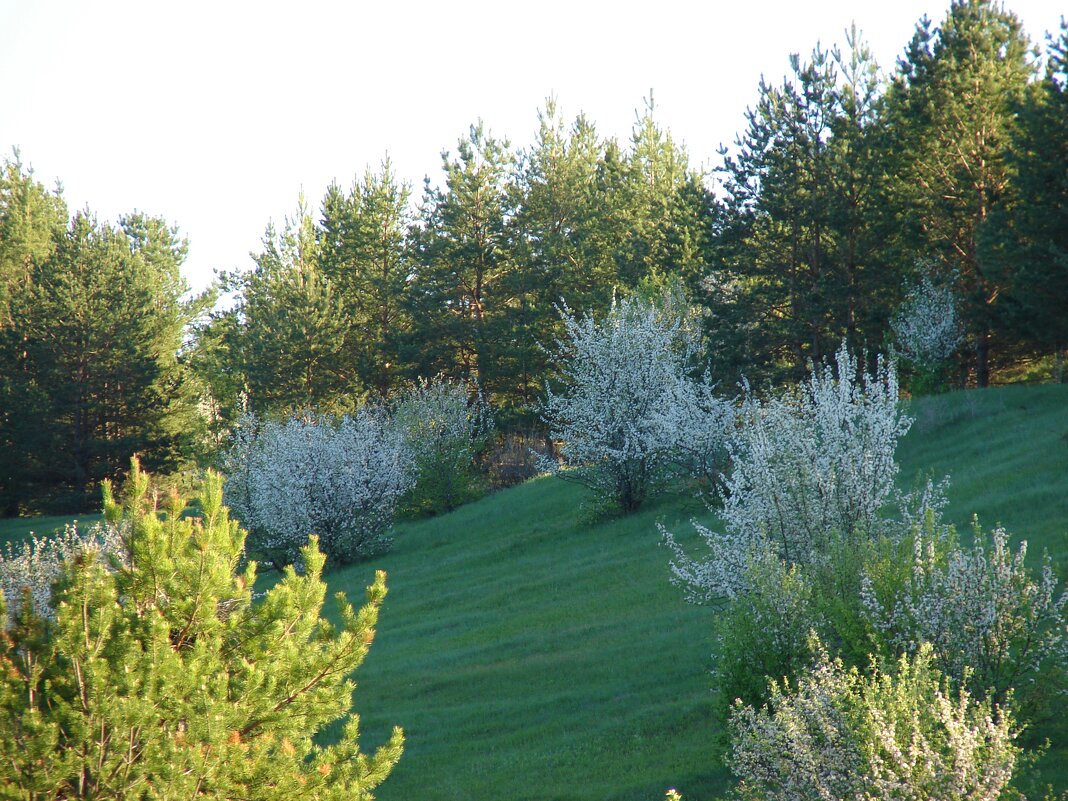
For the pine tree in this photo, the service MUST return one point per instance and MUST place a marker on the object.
(158, 675)
(30, 220)
(94, 347)
(1026, 242)
(563, 246)
(775, 274)
(365, 256)
(460, 295)
(294, 326)
(950, 114)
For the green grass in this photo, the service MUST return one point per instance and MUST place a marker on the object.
(532, 654)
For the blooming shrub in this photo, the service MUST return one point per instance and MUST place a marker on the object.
(311, 475)
(158, 677)
(902, 735)
(991, 622)
(927, 331)
(804, 464)
(28, 573)
(628, 412)
(445, 428)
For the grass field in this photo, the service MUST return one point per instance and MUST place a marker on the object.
(530, 653)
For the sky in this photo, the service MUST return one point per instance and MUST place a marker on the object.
(217, 115)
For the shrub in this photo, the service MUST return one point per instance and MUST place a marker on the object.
(901, 735)
(804, 464)
(992, 623)
(927, 332)
(159, 676)
(627, 406)
(445, 427)
(311, 475)
(28, 573)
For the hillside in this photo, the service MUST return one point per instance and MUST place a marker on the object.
(531, 654)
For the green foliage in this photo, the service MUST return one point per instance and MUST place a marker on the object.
(463, 279)
(1026, 240)
(445, 426)
(951, 118)
(293, 326)
(162, 676)
(92, 365)
(364, 253)
(31, 219)
(895, 734)
(798, 261)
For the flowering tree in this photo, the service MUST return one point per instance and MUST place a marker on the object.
(992, 623)
(156, 676)
(627, 404)
(444, 427)
(927, 330)
(807, 463)
(903, 735)
(311, 475)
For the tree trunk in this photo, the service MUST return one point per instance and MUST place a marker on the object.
(982, 360)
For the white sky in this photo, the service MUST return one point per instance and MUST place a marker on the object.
(216, 114)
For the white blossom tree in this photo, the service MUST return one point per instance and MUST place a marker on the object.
(311, 475)
(901, 735)
(445, 425)
(806, 463)
(627, 408)
(927, 330)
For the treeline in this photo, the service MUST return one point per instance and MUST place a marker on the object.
(846, 188)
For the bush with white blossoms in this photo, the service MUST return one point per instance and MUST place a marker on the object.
(27, 573)
(900, 735)
(927, 330)
(992, 622)
(628, 412)
(445, 427)
(309, 474)
(806, 463)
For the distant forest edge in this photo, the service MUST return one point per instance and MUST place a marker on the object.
(848, 188)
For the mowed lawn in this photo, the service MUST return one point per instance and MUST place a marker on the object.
(530, 652)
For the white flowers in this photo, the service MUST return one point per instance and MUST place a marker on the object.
(927, 328)
(903, 735)
(311, 475)
(807, 463)
(628, 411)
(28, 573)
(992, 624)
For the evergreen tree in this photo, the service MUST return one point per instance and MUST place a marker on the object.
(365, 257)
(31, 218)
(155, 675)
(950, 116)
(658, 207)
(799, 254)
(461, 295)
(562, 244)
(93, 351)
(293, 326)
(1026, 243)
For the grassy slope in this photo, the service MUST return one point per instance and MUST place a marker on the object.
(530, 654)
